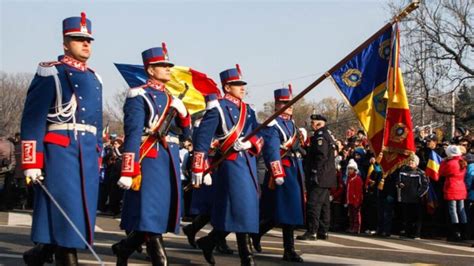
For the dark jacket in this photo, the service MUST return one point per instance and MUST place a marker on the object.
(320, 164)
(412, 185)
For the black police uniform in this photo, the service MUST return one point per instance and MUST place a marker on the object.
(320, 171)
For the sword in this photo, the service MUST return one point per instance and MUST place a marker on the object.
(50, 196)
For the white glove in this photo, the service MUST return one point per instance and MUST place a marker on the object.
(125, 182)
(179, 106)
(197, 179)
(34, 174)
(239, 145)
(279, 181)
(330, 198)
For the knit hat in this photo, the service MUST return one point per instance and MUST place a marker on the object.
(453, 150)
(352, 164)
(415, 159)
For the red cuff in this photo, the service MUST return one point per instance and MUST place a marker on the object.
(277, 169)
(129, 166)
(29, 157)
(100, 162)
(184, 121)
(198, 163)
(257, 144)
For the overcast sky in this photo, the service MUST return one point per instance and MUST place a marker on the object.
(275, 42)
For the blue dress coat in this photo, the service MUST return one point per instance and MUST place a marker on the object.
(285, 203)
(235, 199)
(68, 158)
(156, 206)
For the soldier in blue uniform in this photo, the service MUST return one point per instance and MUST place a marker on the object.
(61, 146)
(150, 161)
(202, 199)
(282, 199)
(235, 201)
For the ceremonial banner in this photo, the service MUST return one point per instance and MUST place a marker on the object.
(372, 85)
(362, 82)
(199, 84)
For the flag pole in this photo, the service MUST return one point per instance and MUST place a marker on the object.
(407, 10)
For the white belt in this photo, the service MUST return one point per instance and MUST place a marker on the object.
(170, 139)
(71, 126)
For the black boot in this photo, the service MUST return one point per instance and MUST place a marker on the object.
(454, 234)
(307, 236)
(191, 230)
(156, 251)
(208, 243)
(264, 227)
(126, 247)
(222, 246)
(66, 256)
(245, 249)
(39, 255)
(289, 245)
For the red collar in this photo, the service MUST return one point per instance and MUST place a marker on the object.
(233, 99)
(155, 85)
(74, 63)
(285, 117)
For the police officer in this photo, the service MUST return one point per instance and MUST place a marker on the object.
(235, 186)
(282, 199)
(61, 142)
(150, 162)
(320, 177)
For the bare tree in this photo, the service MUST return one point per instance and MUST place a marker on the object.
(13, 88)
(437, 52)
(113, 112)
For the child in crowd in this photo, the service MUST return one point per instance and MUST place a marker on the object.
(354, 196)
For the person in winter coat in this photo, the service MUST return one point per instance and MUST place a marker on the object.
(354, 196)
(412, 185)
(453, 168)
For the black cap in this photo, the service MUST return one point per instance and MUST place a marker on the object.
(318, 117)
(431, 137)
(461, 130)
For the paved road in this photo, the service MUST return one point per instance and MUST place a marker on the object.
(340, 249)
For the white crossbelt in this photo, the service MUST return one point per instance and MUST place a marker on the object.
(72, 126)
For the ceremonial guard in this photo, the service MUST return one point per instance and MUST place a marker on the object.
(61, 147)
(282, 201)
(235, 201)
(320, 169)
(150, 161)
(202, 199)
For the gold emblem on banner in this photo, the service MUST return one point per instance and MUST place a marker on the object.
(352, 77)
(398, 132)
(384, 49)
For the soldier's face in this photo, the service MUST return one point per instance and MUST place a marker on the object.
(237, 91)
(79, 48)
(288, 111)
(160, 72)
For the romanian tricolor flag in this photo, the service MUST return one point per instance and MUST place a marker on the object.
(372, 85)
(432, 168)
(399, 140)
(199, 84)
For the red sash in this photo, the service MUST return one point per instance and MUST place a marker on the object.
(151, 140)
(235, 132)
